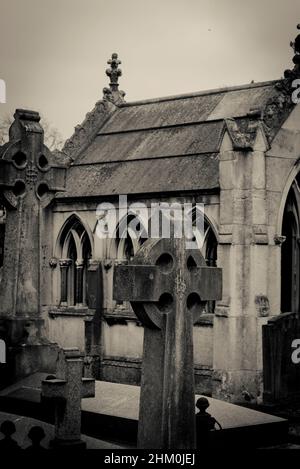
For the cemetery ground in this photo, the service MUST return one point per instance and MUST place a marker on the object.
(165, 284)
(110, 420)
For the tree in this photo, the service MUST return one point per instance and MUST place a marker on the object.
(53, 138)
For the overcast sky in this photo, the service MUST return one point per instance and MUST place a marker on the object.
(53, 53)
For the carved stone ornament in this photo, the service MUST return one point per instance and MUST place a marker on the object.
(53, 262)
(279, 240)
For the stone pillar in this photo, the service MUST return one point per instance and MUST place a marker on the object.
(243, 254)
(64, 268)
(79, 265)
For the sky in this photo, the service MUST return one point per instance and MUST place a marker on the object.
(53, 53)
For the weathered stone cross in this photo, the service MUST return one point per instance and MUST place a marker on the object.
(67, 390)
(167, 286)
(29, 179)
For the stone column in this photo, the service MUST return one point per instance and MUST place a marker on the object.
(64, 268)
(79, 266)
(243, 254)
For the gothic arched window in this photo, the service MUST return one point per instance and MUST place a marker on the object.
(130, 236)
(290, 266)
(76, 252)
(208, 245)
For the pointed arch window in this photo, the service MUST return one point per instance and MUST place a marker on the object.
(290, 256)
(131, 234)
(208, 245)
(76, 252)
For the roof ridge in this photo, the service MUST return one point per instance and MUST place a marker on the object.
(199, 93)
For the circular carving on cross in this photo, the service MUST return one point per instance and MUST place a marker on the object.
(165, 262)
(19, 188)
(165, 303)
(42, 190)
(194, 303)
(43, 163)
(19, 159)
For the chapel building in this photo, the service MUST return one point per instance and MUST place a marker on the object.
(235, 150)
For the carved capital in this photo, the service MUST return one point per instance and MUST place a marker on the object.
(107, 264)
(64, 263)
(53, 262)
(279, 240)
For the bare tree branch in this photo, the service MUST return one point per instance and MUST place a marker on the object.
(53, 138)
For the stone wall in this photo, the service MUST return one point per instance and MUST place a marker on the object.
(121, 343)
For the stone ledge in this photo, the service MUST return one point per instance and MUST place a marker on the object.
(125, 362)
(204, 370)
(206, 320)
(70, 311)
(120, 317)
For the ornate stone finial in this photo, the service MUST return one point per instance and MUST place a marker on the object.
(112, 93)
(114, 72)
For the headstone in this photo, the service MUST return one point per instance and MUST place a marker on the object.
(67, 390)
(29, 178)
(281, 365)
(167, 286)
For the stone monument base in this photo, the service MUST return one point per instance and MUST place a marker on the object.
(27, 351)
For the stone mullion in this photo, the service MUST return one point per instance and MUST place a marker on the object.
(79, 266)
(64, 268)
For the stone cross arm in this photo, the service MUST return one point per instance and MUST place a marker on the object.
(52, 176)
(146, 283)
(54, 389)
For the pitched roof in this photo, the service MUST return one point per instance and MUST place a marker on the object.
(163, 145)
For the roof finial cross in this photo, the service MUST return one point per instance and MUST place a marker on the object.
(114, 72)
(293, 74)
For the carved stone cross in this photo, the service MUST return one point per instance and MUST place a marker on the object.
(167, 286)
(29, 178)
(67, 390)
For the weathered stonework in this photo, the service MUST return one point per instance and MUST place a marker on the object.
(29, 179)
(85, 133)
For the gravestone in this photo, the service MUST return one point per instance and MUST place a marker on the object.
(30, 175)
(167, 286)
(67, 390)
(281, 372)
